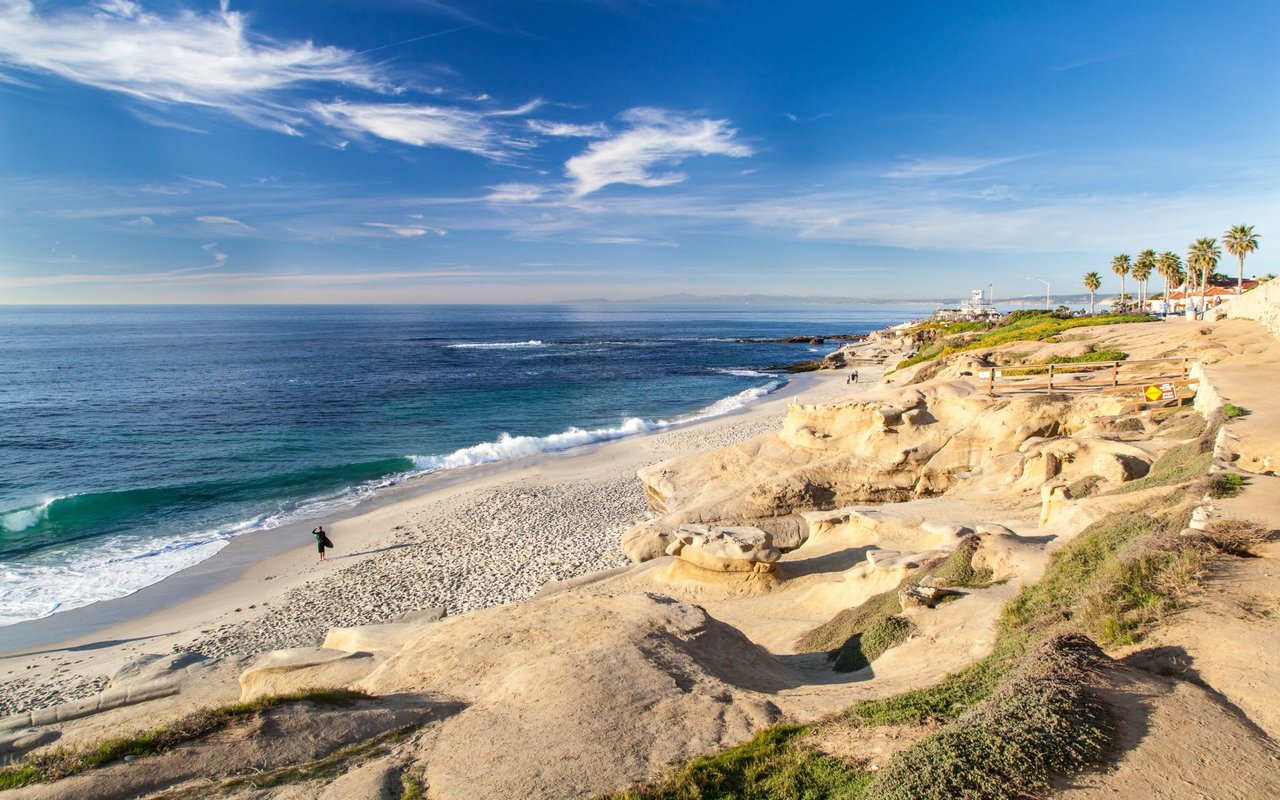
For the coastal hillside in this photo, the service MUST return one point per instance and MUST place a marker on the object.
(919, 586)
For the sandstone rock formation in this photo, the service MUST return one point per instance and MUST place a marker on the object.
(892, 445)
(724, 549)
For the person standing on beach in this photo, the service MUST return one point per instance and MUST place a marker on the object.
(322, 540)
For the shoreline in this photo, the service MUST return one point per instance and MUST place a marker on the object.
(242, 549)
(265, 589)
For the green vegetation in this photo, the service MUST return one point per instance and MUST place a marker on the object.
(1120, 265)
(63, 762)
(331, 766)
(1030, 325)
(1043, 719)
(1092, 356)
(777, 764)
(1176, 465)
(1092, 282)
(1225, 484)
(868, 645)
(411, 786)
(336, 763)
(1239, 241)
(858, 636)
(1232, 411)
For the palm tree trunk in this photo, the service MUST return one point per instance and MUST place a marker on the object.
(1240, 276)
(1123, 300)
(1090, 302)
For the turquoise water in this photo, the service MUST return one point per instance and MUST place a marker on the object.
(135, 441)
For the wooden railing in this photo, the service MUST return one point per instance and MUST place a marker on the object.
(1171, 375)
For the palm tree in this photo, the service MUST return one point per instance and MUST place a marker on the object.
(1170, 268)
(1120, 266)
(1142, 267)
(1092, 282)
(1239, 242)
(1202, 257)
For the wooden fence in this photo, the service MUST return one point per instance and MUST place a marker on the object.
(1170, 377)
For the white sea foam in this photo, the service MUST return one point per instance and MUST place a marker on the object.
(24, 518)
(494, 345)
(742, 373)
(70, 577)
(508, 447)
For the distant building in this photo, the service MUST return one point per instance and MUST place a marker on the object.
(977, 308)
(1216, 292)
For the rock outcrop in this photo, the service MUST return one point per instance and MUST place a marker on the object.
(893, 445)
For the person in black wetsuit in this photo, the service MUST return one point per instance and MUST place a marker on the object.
(322, 540)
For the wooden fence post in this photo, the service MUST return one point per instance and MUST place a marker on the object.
(1049, 390)
(1115, 373)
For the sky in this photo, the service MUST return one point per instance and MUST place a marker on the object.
(441, 151)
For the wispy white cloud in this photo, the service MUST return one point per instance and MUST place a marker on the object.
(515, 193)
(1089, 62)
(654, 137)
(595, 130)
(946, 166)
(420, 126)
(223, 222)
(142, 221)
(406, 231)
(630, 240)
(191, 59)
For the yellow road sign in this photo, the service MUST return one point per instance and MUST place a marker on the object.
(1153, 393)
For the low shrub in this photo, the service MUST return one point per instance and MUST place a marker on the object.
(1233, 411)
(1225, 484)
(64, 762)
(777, 763)
(1044, 719)
(865, 647)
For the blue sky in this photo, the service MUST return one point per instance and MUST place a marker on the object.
(549, 150)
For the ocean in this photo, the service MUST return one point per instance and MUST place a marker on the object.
(136, 441)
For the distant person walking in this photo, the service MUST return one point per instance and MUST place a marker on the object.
(322, 540)
(855, 376)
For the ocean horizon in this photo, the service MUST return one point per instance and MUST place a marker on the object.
(141, 439)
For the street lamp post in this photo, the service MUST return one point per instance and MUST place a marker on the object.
(1048, 301)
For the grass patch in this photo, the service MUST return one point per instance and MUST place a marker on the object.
(776, 764)
(857, 636)
(833, 634)
(1237, 537)
(1225, 484)
(64, 762)
(1233, 411)
(1084, 486)
(865, 647)
(331, 766)
(336, 763)
(1019, 326)
(1178, 464)
(1043, 719)
(411, 786)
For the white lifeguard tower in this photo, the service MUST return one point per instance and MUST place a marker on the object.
(977, 307)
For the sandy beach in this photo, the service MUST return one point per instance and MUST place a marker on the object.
(460, 540)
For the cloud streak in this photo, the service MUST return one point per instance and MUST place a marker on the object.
(654, 137)
(189, 59)
(946, 166)
(420, 126)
